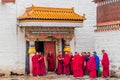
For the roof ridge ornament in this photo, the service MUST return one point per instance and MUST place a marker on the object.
(31, 11)
(33, 6)
(84, 15)
(73, 8)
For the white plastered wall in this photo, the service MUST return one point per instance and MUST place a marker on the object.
(110, 41)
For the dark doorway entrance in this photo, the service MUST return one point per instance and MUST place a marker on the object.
(39, 46)
(63, 44)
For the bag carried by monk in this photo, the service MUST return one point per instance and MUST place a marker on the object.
(99, 72)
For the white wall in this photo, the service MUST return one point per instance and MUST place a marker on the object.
(8, 37)
(110, 41)
(12, 43)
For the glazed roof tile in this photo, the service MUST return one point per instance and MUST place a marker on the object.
(48, 13)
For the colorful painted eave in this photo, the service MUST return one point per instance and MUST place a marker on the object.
(36, 14)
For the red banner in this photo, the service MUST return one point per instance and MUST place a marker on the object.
(8, 1)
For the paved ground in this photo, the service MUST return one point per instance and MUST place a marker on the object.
(52, 77)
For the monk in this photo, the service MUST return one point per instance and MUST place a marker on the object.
(87, 60)
(84, 56)
(35, 65)
(71, 64)
(92, 66)
(97, 62)
(77, 65)
(66, 63)
(51, 61)
(105, 64)
(60, 64)
(42, 64)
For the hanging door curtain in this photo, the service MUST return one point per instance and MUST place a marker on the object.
(49, 46)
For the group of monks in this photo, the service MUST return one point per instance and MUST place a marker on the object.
(77, 65)
(39, 66)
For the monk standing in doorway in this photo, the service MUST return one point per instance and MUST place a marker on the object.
(35, 65)
(51, 61)
(42, 64)
(105, 64)
(66, 63)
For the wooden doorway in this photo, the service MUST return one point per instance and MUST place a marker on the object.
(45, 47)
(50, 46)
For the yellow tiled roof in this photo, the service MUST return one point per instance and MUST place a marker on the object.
(47, 13)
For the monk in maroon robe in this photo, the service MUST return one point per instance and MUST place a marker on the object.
(84, 56)
(51, 61)
(77, 65)
(66, 64)
(42, 64)
(87, 60)
(105, 64)
(71, 64)
(92, 66)
(35, 65)
(60, 64)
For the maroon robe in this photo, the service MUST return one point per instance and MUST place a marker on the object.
(84, 63)
(66, 65)
(35, 65)
(92, 67)
(60, 64)
(77, 66)
(87, 60)
(51, 62)
(42, 65)
(105, 64)
(71, 64)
